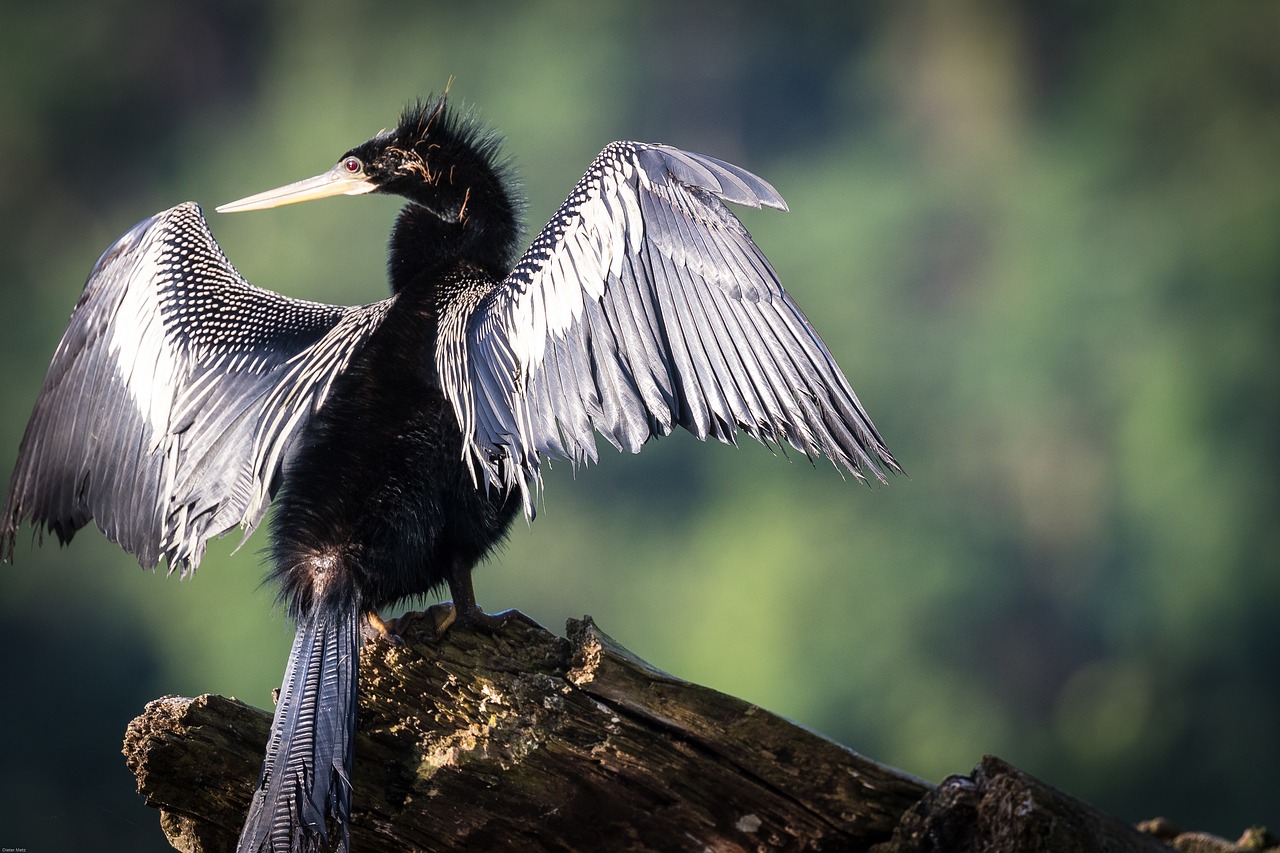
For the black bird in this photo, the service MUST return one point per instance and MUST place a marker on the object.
(399, 439)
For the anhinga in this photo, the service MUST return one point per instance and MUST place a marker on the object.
(399, 439)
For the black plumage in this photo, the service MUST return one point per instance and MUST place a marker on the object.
(399, 439)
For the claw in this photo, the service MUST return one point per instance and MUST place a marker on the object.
(449, 614)
(442, 617)
(473, 615)
(387, 629)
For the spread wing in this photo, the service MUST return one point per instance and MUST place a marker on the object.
(173, 396)
(645, 305)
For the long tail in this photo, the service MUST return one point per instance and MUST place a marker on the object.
(306, 774)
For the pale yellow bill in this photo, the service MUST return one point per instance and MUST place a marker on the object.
(337, 181)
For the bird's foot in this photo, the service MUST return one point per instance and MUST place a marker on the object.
(473, 615)
(447, 614)
(387, 629)
(464, 609)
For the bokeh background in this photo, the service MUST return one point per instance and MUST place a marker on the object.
(1043, 239)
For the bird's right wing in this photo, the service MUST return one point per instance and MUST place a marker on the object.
(173, 397)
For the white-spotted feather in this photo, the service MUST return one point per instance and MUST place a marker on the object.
(173, 396)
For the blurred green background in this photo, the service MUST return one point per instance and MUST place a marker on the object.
(1043, 239)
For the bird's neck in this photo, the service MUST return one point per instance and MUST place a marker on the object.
(476, 229)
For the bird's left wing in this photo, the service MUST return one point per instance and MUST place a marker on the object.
(645, 305)
(173, 397)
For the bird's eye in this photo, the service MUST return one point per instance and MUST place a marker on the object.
(353, 166)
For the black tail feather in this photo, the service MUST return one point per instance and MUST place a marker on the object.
(306, 778)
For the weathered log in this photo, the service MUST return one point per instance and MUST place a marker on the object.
(518, 739)
(1000, 809)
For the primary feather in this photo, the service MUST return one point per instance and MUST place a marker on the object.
(644, 305)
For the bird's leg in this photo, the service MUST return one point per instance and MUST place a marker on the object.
(465, 609)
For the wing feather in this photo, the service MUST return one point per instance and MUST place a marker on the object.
(173, 397)
(643, 305)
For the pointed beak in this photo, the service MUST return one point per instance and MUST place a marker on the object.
(337, 181)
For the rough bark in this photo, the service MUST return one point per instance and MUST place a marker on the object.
(999, 808)
(518, 739)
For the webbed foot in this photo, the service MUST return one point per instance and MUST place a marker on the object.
(387, 629)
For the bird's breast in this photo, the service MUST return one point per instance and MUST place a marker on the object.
(378, 494)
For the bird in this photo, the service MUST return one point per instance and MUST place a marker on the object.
(398, 440)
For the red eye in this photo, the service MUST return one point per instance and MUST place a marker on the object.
(353, 166)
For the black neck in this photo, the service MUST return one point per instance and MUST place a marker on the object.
(424, 247)
(462, 209)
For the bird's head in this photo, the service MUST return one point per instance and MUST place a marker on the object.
(445, 164)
